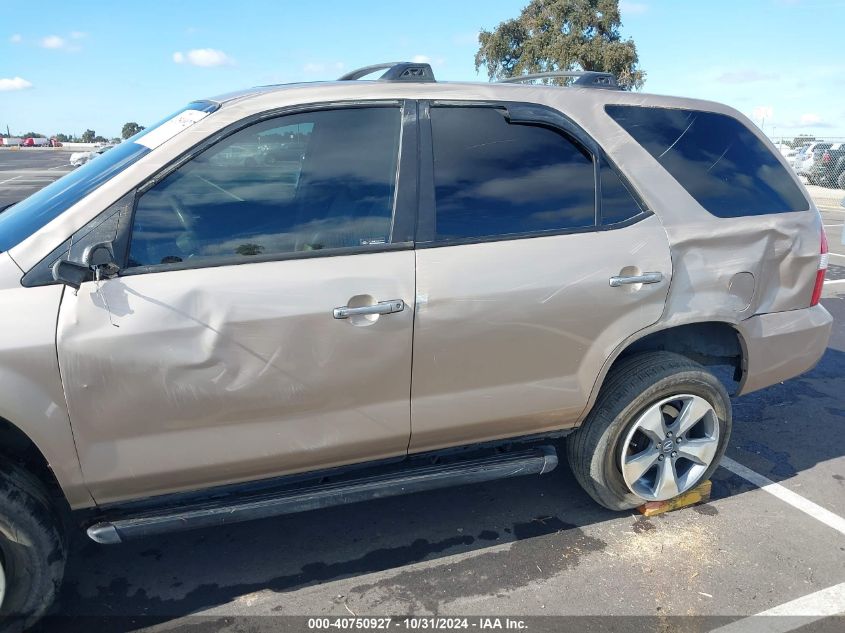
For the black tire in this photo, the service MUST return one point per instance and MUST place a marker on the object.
(634, 384)
(32, 547)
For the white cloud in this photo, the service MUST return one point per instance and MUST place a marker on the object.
(205, 57)
(425, 59)
(78, 35)
(17, 38)
(810, 118)
(53, 41)
(632, 8)
(56, 42)
(16, 83)
(320, 68)
(763, 112)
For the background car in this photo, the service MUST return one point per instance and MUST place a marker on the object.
(80, 158)
(826, 171)
(805, 160)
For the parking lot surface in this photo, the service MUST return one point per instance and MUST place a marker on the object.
(529, 546)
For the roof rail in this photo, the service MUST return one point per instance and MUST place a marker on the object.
(396, 71)
(584, 79)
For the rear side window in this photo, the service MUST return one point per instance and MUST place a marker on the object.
(493, 178)
(717, 159)
(617, 202)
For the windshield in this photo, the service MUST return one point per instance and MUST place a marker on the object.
(21, 220)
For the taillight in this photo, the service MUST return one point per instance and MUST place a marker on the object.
(823, 259)
(826, 158)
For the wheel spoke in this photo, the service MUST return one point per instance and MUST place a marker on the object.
(694, 409)
(667, 481)
(699, 451)
(637, 465)
(651, 423)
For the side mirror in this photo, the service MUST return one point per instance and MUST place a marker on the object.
(100, 258)
(98, 263)
(70, 273)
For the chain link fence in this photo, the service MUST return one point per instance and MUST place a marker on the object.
(820, 163)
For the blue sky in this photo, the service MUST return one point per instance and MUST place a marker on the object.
(67, 66)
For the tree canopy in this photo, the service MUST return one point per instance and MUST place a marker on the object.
(130, 129)
(567, 35)
(88, 136)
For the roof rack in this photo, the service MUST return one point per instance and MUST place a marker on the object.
(584, 79)
(396, 71)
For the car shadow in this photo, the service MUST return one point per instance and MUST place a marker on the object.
(161, 579)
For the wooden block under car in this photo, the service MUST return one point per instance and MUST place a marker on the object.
(699, 494)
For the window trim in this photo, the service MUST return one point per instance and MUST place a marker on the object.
(519, 113)
(404, 199)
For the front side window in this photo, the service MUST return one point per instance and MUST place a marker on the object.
(304, 182)
(720, 162)
(493, 178)
(33, 213)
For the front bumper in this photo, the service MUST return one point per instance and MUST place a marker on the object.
(782, 345)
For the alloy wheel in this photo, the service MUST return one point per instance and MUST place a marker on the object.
(669, 447)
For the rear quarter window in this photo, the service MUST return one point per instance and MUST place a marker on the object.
(717, 159)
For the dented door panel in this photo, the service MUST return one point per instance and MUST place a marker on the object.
(193, 378)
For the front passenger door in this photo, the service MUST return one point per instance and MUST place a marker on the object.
(225, 350)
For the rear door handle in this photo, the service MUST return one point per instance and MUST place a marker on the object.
(645, 278)
(382, 307)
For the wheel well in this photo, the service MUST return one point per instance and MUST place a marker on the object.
(17, 448)
(716, 345)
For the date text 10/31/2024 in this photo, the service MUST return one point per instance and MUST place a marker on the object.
(416, 623)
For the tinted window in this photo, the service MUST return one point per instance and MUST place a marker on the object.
(718, 160)
(493, 178)
(29, 215)
(314, 181)
(617, 202)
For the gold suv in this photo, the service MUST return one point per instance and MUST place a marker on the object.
(298, 296)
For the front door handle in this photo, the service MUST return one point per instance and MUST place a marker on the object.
(645, 278)
(382, 307)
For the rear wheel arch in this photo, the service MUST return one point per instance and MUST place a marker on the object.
(709, 343)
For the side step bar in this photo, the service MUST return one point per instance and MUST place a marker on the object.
(536, 461)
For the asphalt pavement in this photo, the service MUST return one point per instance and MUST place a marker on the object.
(26, 170)
(533, 546)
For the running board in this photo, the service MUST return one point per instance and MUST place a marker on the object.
(535, 461)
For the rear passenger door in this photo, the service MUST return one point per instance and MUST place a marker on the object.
(523, 223)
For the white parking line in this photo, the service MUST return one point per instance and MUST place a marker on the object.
(833, 282)
(3, 182)
(784, 494)
(792, 615)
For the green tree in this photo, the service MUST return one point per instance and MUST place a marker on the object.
(566, 35)
(88, 136)
(62, 138)
(32, 135)
(249, 249)
(130, 129)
